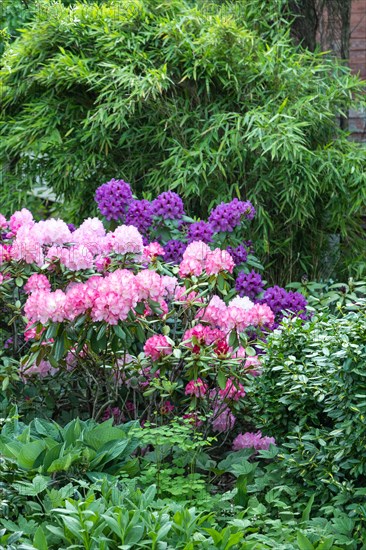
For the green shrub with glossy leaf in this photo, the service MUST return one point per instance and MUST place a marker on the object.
(205, 98)
(312, 398)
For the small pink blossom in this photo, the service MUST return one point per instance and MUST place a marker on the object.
(223, 419)
(233, 390)
(253, 440)
(153, 250)
(219, 260)
(19, 219)
(3, 222)
(37, 282)
(261, 314)
(196, 387)
(157, 346)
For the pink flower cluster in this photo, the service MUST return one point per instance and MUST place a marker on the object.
(85, 248)
(250, 440)
(201, 335)
(108, 298)
(157, 346)
(233, 390)
(239, 314)
(198, 388)
(223, 419)
(198, 257)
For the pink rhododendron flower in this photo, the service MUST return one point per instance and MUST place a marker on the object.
(91, 234)
(219, 260)
(115, 296)
(37, 282)
(253, 440)
(157, 346)
(170, 284)
(201, 335)
(150, 285)
(3, 222)
(43, 369)
(44, 306)
(261, 315)
(193, 262)
(223, 420)
(5, 253)
(20, 218)
(27, 248)
(74, 258)
(196, 387)
(214, 312)
(242, 302)
(233, 390)
(51, 231)
(153, 250)
(126, 239)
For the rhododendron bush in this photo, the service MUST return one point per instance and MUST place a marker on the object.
(148, 315)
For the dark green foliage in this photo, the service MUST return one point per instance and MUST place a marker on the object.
(312, 398)
(208, 99)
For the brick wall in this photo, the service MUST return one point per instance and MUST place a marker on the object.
(357, 62)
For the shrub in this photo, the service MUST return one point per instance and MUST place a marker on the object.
(203, 98)
(311, 397)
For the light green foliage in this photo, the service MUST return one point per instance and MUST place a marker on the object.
(47, 448)
(336, 298)
(204, 98)
(312, 398)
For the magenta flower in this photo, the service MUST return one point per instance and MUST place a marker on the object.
(196, 387)
(157, 346)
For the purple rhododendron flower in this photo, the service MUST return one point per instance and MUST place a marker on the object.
(250, 284)
(278, 299)
(140, 214)
(200, 231)
(168, 205)
(174, 251)
(113, 199)
(227, 216)
(239, 254)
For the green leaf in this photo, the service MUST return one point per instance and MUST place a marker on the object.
(30, 453)
(303, 542)
(221, 379)
(39, 539)
(306, 513)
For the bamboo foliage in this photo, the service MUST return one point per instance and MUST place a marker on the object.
(211, 100)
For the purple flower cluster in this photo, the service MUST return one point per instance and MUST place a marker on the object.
(113, 199)
(278, 299)
(174, 251)
(140, 215)
(227, 216)
(249, 284)
(238, 254)
(251, 440)
(200, 231)
(168, 205)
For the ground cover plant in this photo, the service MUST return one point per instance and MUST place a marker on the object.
(142, 403)
(147, 89)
